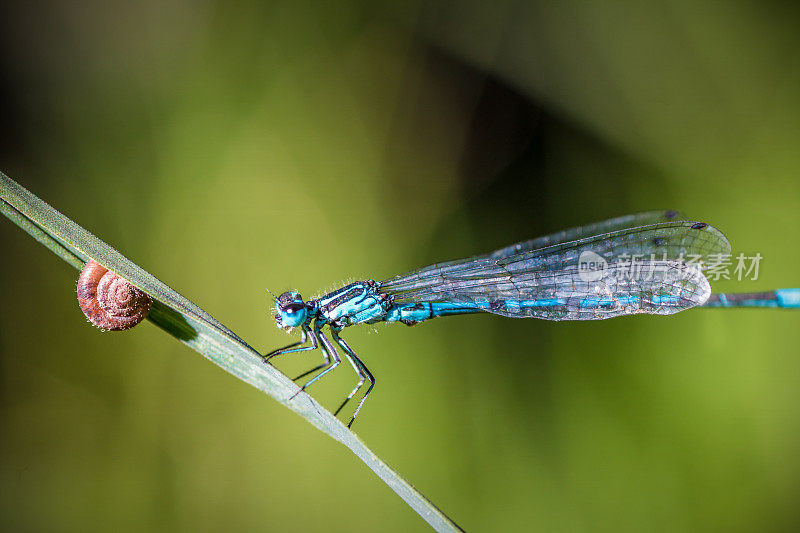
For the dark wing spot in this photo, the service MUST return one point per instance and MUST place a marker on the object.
(699, 225)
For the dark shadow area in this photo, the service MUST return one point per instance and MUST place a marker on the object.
(525, 171)
(171, 321)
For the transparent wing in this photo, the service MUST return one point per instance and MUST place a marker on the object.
(579, 232)
(648, 269)
(659, 287)
(589, 230)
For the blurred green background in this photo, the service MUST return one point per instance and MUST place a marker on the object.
(231, 146)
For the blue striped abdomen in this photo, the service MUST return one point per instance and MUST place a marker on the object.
(783, 298)
(414, 313)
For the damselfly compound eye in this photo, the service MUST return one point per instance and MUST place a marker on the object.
(289, 297)
(293, 308)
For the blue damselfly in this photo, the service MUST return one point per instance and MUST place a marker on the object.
(646, 263)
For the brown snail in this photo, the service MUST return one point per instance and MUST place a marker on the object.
(109, 301)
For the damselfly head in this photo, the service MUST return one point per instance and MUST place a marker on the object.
(291, 310)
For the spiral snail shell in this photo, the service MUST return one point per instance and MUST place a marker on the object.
(109, 301)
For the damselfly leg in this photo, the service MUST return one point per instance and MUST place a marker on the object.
(326, 358)
(328, 366)
(361, 370)
(306, 334)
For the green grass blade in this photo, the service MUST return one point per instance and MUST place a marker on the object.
(197, 329)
